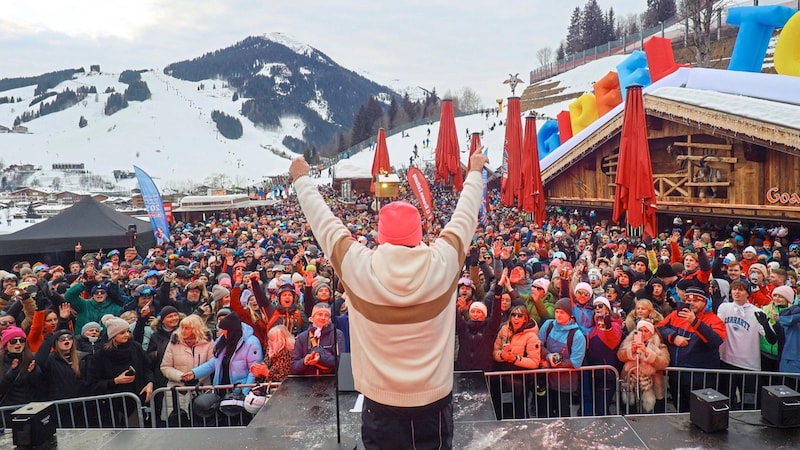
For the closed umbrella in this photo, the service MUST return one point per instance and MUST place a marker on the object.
(635, 193)
(512, 155)
(380, 162)
(448, 162)
(532, 187)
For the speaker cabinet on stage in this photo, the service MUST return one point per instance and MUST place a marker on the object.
(708, 410)
(33, 424)
(780, 406)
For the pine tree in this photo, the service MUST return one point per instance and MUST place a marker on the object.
(610, 25)
(659, 11)
(393, 108)
(560, 51)
(574, 38)
(593, 27)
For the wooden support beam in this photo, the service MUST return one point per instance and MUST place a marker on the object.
(709, 184)
(702, 145)
(708, 158)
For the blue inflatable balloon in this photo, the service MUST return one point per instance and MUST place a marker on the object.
(633, 70)
(547, 138)
(756, 24)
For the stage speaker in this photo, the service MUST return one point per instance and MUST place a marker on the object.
(33, 424)
(708, 410)
(780, 406)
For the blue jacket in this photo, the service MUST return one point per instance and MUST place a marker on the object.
(248, 352)
(556, 342)
(302, 347)
(584, 316)
(790, 355)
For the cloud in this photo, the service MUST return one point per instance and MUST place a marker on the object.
(442, 44)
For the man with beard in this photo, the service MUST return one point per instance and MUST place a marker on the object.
(693, 334)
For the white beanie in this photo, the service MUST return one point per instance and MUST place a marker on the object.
(583, 286)
(646, 324)
(749, 248)
(478, 305)
(602, 300)
(114, 325)
(296, 277)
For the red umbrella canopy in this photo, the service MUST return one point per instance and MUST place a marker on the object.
(447, 151)
(512, 180)
(532, 187)
(380, 162)
(634, 183)
(474, 143)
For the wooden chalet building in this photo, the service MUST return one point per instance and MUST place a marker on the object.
(715, 155)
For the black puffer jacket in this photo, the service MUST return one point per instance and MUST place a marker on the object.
(59, 380)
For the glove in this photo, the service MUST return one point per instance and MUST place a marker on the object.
(761, 317)
(472, 258)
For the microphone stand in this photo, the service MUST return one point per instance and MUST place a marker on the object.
(348, 443)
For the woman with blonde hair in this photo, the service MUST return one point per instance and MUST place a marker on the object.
(644, 310)
(278, 363)
(190, 345)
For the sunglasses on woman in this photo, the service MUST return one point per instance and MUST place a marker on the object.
(516, 314)
(65, 338)
(15, 341)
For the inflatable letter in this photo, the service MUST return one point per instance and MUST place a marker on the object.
(633, 70)
(787, 50)
(756, 24)
(607, 93)
(660, 58)
(547, 138)
(564, 126)
(582, 112)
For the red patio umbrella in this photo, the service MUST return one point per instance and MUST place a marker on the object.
(512, 156)
(474, 144)
(380, 162)
(448, 161)
(532, 187)
(634, 183)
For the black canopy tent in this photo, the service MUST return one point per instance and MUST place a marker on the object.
(94, 225)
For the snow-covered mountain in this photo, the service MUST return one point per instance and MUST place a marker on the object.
(289, 96)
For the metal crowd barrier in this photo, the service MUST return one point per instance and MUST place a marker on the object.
(162, 407)
(122, 410)
(742, 387)
(599, 390)
(545, 393)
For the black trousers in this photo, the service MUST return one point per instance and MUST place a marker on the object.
(393, 427)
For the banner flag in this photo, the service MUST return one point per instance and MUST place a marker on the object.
(154, 206)
(419, 185)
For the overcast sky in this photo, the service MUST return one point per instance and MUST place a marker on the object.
(443, 44)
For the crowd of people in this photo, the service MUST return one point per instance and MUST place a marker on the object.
(248, 296)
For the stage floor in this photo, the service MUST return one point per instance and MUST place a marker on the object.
(302, 415)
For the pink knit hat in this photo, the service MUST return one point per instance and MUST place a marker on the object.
(11, 333)
(399, 223)
(784, 291)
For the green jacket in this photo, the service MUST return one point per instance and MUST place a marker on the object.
(89, 310)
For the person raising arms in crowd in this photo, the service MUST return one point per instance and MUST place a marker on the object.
(408, 390)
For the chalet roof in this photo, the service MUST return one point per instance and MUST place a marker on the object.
(760, 108)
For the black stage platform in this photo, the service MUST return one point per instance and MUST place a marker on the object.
(301, 415)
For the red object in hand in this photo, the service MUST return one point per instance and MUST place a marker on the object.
(259, 370)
